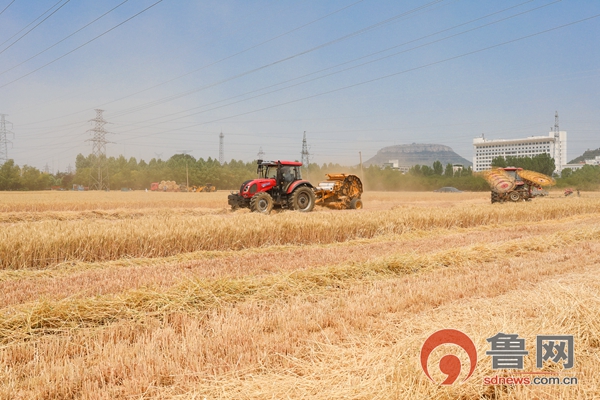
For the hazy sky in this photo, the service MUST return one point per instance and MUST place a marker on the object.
(355, 75)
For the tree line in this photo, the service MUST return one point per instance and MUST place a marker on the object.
(133, 174)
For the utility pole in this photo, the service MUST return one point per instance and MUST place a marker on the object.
(261, 154)
(99, 151)
(221, 149)
(557, 144)
(187, 180)
(4, 142)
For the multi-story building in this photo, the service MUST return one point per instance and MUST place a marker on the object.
(485, 150)
(394, 164)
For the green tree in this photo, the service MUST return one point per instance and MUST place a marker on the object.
(32, 179)
(427, 171)
(415, 170)
(540, 163)
(449, 172)
(499, 162)
(10, 176)
(438, 169)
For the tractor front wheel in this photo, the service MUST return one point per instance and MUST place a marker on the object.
(303, 199)
(356, 204)
(261, 203)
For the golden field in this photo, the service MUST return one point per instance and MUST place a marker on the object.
(171, 295)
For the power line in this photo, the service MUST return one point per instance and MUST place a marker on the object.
(80, 46)
(32, 22)
(338, 65)
(258, 11)
(241, 52)
(6, 8)
(391, 75)
(281, 60)
(230, 117)
(41, 22)
(191, 72)
(65, 38)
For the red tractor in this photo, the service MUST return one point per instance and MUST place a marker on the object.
(280, 184)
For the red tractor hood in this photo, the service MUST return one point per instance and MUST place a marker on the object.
(250, 188)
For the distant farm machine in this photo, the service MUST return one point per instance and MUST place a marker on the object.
(280, 184)
(514, 184)
(209, 187)
(172, 186)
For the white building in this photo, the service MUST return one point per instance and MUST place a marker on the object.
(394, 164)
(593, 161)
(574, 167)
(484, 151)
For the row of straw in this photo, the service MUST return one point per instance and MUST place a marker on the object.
(46, 317)
(40, 244)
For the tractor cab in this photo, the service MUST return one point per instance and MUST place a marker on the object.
(513, 172)
(282, 172)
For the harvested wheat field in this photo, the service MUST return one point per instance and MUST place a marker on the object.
(172, 296)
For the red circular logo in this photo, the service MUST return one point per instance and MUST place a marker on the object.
(449, 364)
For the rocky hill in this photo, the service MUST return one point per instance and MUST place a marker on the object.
(413, 154)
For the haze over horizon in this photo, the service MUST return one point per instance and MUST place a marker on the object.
(355, 75)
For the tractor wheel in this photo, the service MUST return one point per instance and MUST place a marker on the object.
(303, 199)
(261, 203)
(514, 196)
(356, 204)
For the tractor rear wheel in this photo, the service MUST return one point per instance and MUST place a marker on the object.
(303, 199)
(514, 196)
(356, 204)
(261, 203)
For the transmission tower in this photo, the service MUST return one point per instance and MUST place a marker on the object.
(4, 142)
(305, 154)
(557, 144)
(221, 149)
(260, 154)
(99, 142)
